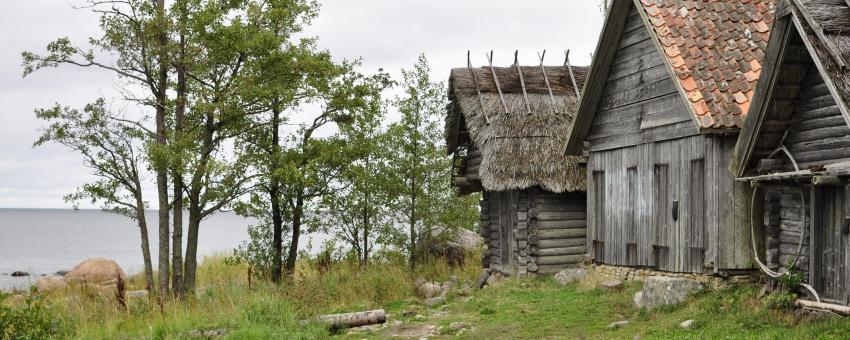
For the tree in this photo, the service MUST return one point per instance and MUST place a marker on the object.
(112, 147)
(135, 35)
(418, 162)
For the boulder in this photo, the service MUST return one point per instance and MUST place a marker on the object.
(611, 285)
(660, 290)
(61, 272)
(49, 284)
(687, 324)
(494, 278)
(570, 275)
(452, 244)
(458, 325)
(429, 290)
(482, 279)
(19, 274)
(101, 274)
(638, 300)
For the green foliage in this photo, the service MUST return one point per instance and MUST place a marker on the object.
(780, 299)
(31, 320)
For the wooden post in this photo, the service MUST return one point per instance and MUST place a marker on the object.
(572, 76)
(546, 78)
(477, 88)
(496, 80)
(521, 82)
(826, 180)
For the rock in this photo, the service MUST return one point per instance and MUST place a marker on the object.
(446, 287)
(458, 325)
(618, 324)
(429, 290)
(137, 294)
(482, 279)
(611, 285)
(686, 324)
(453, 244)
(638, 300)
(408, 313)
(464, 291)
(570, 275)
(208, 334)
(100, 274)
(19, 274)
(454, 279)
(435, 301)
(661, 290)
(61, 272)
(440, 314)
(494, 278)
(419, 317)
(49, 284)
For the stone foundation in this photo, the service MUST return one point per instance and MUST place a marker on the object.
(714, 281)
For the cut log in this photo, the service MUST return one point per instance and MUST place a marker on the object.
(548, 234)
(348, 320)
(839, 309)
(561, 243)
(563, 224)
(562, 260)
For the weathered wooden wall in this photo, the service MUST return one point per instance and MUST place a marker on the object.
(533, 231)
(640, 103)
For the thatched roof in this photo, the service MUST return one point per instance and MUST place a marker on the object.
(519, 149)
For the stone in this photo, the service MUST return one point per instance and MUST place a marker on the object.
(95, 271)
(482, 279)
(618, 324)
(458, 325)
(19, 274)
(435, 301)
(61, 272)
(49, 284)
(611, 285)
(429, 290)
(494, 278)
(452, 244)
(408, 313)
(638, 300)
(660, 290)
(570, 275)
(446, 287)
(686, 324)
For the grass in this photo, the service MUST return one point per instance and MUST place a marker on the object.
(524, 308)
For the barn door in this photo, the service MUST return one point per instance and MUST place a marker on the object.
(829, 244)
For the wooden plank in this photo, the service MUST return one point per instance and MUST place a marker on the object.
(638, 94)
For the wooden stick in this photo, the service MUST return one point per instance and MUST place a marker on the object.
(521, 82)
(477, 89)
(546, 77)
(572, 76)
(496, 80)
(818, 28)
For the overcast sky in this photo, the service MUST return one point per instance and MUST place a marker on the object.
(386, 34)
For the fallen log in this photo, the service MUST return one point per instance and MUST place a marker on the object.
(838, 309)
(357, 319)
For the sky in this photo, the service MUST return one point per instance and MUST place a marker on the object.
(387, 34)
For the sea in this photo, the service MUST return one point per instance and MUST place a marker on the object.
(42, 242)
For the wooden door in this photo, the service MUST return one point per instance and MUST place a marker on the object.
(507, 223)
(829, 244)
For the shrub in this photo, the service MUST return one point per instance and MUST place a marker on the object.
(32, 320)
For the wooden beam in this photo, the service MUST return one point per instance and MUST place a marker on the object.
(827, 180)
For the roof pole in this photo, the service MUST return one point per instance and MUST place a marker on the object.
(572, 76)
(477, 88)
(546, 78)
(522, 82)
(496, 80)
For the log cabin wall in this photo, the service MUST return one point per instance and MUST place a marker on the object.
(533, 231)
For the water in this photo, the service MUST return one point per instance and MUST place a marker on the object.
(43, 241)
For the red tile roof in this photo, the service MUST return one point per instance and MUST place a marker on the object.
(716, 48)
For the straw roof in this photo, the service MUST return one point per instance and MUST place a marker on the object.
(519, 149)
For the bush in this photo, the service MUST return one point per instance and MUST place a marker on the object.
(32, 320)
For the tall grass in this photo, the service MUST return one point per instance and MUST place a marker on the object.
(225, 301)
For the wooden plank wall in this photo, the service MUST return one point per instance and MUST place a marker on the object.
(640, 103)
(632, 196)
(783, 222)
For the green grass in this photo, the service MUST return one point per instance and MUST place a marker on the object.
(526, 308)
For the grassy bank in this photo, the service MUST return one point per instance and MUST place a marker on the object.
(527, 308)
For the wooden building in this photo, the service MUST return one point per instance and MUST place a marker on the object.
(506, 129)
(667, 93)
(795, 147)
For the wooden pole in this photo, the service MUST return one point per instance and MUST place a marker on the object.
(546, 77)
(572, 76)
(838, 309)
(477, 88)
(348, 320)
(521, 82)
(496, 80)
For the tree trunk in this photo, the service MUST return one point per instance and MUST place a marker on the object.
(191, 262)
(348, 320)
(196, 210)
(296, 232)
(161, 163)
(179, 116)
(274, 196)
(146, 248)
